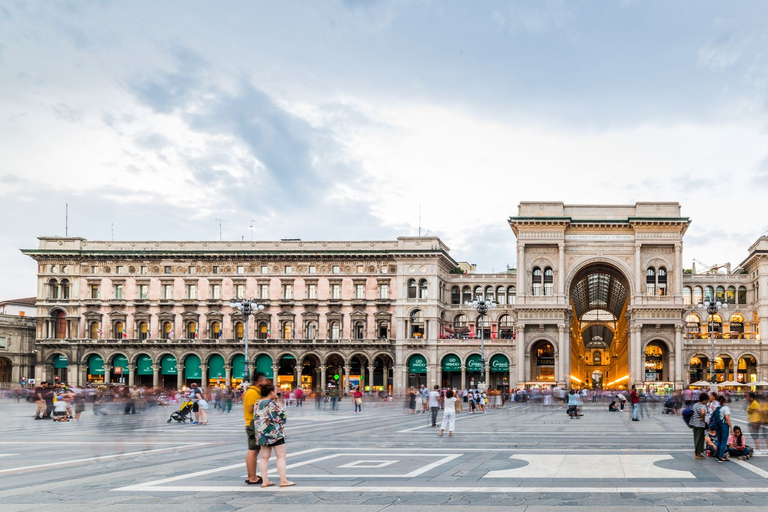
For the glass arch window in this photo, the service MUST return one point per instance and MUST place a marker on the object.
(466, 294)
(730, 295)
(489, 293)
(650, 281)
(501, 295)
(661, 281)
(709, 294)
(687, 295)
(537, 281)
(460, 320)
(692, 324)
(511, 294)
(742, 295)
(549, 281)
(720, 293)
(698, 295)
(478, 292)
(422, 288)
(455, 296)
(411, 288)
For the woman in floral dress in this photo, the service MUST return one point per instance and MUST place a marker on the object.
(270, 419)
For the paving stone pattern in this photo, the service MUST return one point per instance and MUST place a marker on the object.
(523, 457)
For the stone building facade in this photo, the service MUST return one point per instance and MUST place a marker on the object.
(600, 297)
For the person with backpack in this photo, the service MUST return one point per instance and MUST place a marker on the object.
(721, 423)
(696, 422)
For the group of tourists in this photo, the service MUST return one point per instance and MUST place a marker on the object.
(714, 433)
(417, 400)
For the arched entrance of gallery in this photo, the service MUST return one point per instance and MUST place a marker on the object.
(599, 295)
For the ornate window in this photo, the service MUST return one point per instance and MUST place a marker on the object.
(412, 289)
(687, 295)
(455, 296)
(422, 288)
(742, 295)
(650, 281)
(661, 281)
(537, 281)
(549, 281)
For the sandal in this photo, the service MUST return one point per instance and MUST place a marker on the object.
(450, 435)
(439, 435)
(287, 484)
(270, 484)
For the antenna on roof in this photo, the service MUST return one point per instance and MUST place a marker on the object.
(66, 219)
(419, 220)
(252, 221)
(220, 221)
(112, 224)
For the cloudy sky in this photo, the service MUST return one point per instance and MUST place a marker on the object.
(340, 119)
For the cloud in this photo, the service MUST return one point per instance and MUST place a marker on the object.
(724, 50)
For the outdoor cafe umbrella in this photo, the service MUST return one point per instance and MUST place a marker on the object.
(758, 383)
(731, 383)
(702, 383)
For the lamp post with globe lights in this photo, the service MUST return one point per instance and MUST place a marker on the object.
(482, 306)
(712, 308)
(247, 307)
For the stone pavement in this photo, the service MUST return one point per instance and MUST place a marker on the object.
(523, 457)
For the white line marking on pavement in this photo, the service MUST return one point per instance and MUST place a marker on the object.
(201, 473)
(8, 454)
(103, 457)
(596, 466)
(453, 489)
(746, 465)
(429, 424)
(368, 464)
(412, 474)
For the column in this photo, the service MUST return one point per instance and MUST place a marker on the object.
(385, 380)
(155, 376)
(521, 291)
(487, 375)
(636, 374)
(228, 375)
(370, 377)
(204, 375)
(527, 366)
(275, 369)
(563, 351)
(561, 272)
(678, 361)
(131, 376)
(678, 273)
(83, 374)
(463, 377)
(438, 376)
(639, 273)
(323, 379)
(298, 376)
(107, 373)
(179, 376)
(346, 379)
(520, 355)
(510, 382)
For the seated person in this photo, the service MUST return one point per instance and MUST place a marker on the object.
(710, 441)
(737, 445)
(613, 406)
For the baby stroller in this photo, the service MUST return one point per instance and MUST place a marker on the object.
(669, 407)
(573, 411)
(183, 413)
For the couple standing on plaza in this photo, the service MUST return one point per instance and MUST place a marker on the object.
(264, 426)
(434, 399)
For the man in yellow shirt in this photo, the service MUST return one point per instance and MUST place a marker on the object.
(755, 419)
(251, 396)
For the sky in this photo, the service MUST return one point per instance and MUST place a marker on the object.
(365, 120)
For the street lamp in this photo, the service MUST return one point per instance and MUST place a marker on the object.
(247, 307)
(482, 306)
(712, 308)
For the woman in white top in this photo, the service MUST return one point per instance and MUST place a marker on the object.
(449, 414)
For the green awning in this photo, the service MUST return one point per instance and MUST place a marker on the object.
(120, 362)
(451, 363)
(288, 356)
(417, 364)
(95, 365)
(474, 364)
(264, 365)
(216, 367)
(238, 366)
(168, 365)
(500, 363)
(144, 365)
(192, 368)
(60, 361)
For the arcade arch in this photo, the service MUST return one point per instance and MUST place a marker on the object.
(599, 295)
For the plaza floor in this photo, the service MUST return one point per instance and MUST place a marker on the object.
(522, 457)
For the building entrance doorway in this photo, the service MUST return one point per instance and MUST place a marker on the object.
(599, 345)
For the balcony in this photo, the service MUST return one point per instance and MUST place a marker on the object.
(732, 336)
(214, 303)
(117, 302)
(383, 301)
(141, 302)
